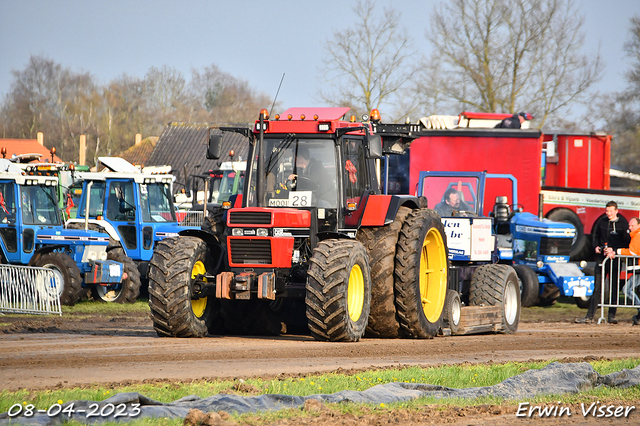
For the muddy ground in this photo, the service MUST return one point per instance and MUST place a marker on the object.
(80, 350)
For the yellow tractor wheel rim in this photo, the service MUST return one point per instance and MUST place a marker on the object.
(355, 293)
(199, 305)
(433, 275)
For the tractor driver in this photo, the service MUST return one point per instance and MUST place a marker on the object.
(311, 176)
(452, 203)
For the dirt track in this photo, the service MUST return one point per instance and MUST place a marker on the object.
(48, 352)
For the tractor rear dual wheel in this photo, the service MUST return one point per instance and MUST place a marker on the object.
(380, 243)
(338, 291)
(175, 264)
(497, 285)
(421, 268)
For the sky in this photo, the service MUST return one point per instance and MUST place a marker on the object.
(255, 41)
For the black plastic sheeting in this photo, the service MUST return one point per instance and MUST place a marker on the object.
(554, 379)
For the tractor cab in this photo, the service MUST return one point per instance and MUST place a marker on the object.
(311, 160)
(133, 208)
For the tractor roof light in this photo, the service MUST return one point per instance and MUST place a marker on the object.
(315, 117)
(277, 117)
(264, 113)
(324, 127)
(265, 126)
(352, 119)
(302, 117)
(289, 117)
(375, 115)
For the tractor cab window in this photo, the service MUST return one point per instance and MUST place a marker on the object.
(39, 205)
(155, 203)
(452, 196)
(96, 200)
(7, 203)
(298, 173)
(231, 183)
(354, 174)
(121, 202)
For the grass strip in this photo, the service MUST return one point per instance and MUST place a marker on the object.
(454, 376)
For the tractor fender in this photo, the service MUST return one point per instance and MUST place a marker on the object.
(38, 253)
(382, 209)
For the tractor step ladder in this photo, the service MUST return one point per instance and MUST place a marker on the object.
(29, 290)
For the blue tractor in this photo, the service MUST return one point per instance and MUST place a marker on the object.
(538, 249)
(134, 208)
(32, 233)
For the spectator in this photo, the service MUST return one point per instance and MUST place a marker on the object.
(634, 250)
(513, 122)
(612, 234)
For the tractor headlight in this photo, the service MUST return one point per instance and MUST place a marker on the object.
(540, 264)
(583, 263)
(262, 232)
(237, 232)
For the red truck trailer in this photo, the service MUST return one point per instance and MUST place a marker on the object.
(570, 170)
(576, 184)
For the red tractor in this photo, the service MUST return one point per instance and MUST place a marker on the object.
(311, 229)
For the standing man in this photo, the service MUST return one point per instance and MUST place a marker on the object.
(633, 250)
(611, 233)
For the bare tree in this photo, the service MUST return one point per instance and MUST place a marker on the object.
(505, 56)
(221, 98)
(620, 112)
(165, 95)
(369, 63)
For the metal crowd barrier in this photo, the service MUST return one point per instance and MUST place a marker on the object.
(29, 290)
(192, 218)
(619, 290)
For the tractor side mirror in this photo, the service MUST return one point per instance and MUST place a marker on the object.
(215, 142)
(187, 188)
(374, 147)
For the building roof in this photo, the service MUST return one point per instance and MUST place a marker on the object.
(26, 146)
(140, 153)
(185, 145)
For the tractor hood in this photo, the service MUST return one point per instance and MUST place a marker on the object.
(531, 224)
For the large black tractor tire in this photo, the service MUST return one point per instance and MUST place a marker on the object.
(529, 285)
(549, 294)
(338, 291)
(249, 318)
(584, 302)
(497, 285)
(128, 290)
(68, 274)
(381, 243)
(452, 311)
(421, 268)
(580, 245)
(173, 267)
